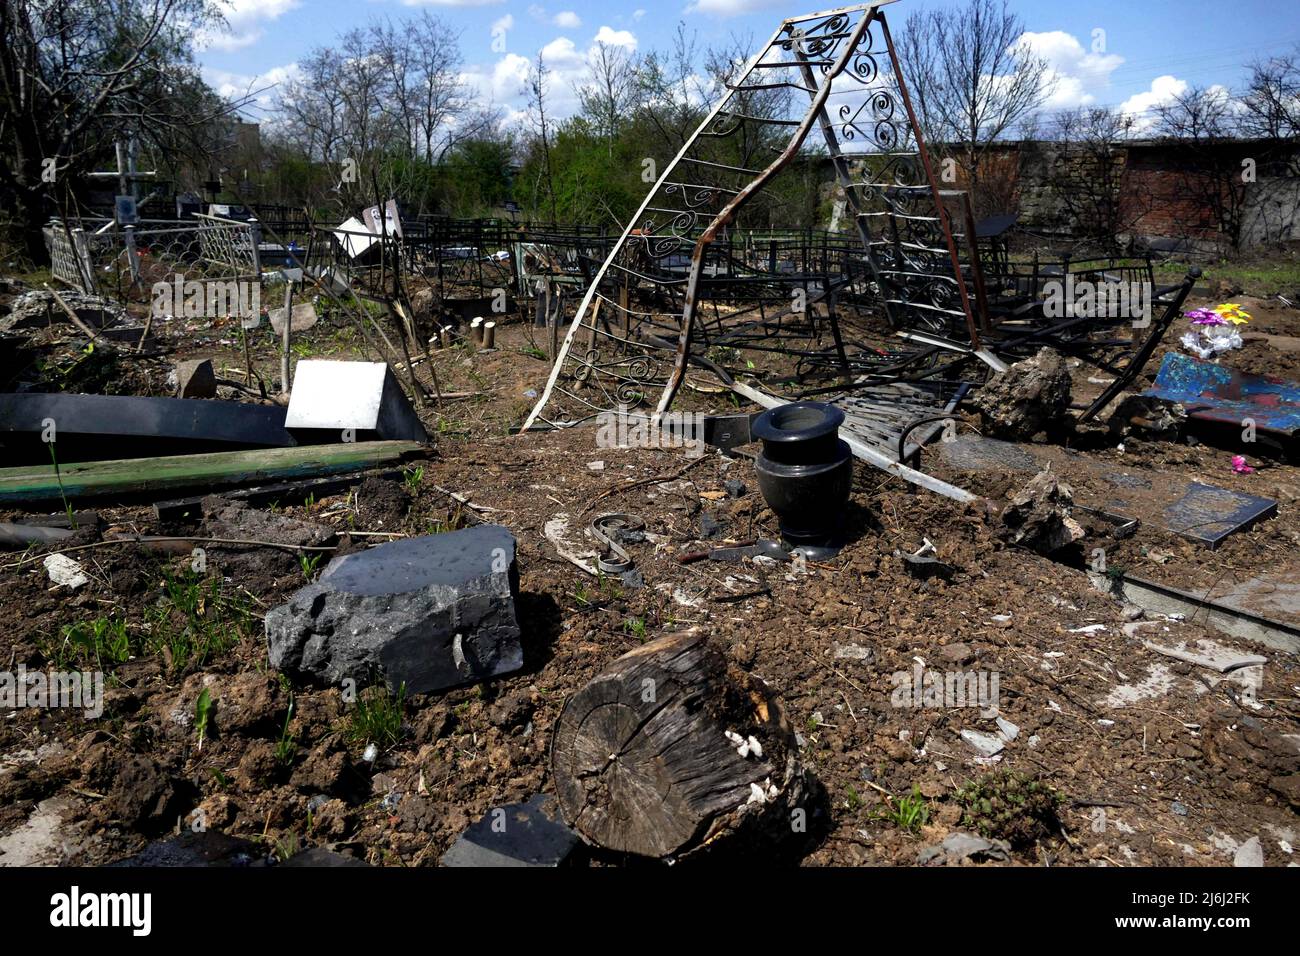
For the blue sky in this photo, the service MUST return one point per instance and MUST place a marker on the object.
(1151, 49)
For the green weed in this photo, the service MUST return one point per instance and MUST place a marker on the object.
(1010, 805)
(286, 748)
(103, 642)
(910, 812)
(308, 563)
(412, 477)
(194, 620)
(377, 716)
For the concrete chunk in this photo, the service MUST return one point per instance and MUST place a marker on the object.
(301, 318)
(432, 612)
(196, 378)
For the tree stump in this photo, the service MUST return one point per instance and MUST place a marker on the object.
(643, 762)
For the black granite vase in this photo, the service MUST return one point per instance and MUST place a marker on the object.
(804, 473)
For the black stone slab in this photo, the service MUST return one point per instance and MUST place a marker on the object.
(430, 613)
(1206, 514)
(521, 834)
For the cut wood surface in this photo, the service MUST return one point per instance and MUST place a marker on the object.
(641, 759)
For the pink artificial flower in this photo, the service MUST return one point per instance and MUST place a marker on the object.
(1240, 467)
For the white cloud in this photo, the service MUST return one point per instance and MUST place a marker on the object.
(612, 37)
(1077, 77)
(505, 82)
(637, 15)
(568, 20)
(561, 52)
(732, 8)
(510, 76)
(245, 20)
(1141, 106)
(451, 3)
(503, 23)
(264, 87)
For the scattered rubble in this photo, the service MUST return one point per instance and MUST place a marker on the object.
(1038, 515)
(957, 848)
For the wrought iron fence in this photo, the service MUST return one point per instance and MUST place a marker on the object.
(126, 262)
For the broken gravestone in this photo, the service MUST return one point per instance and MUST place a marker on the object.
(432, 612)
(301, 318)
(1038, 515)
(521, 834)
(362, 398)
(1029, 397)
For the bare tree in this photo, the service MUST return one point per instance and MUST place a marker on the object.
(440, 96)
(1199, 126)
(971, 77)
(673, 91)
(1087, 176)
(367, 126)
(74, 77)
(311, 106)
(538, 88)
(608, 96)
(1272, 98)
(395, 51)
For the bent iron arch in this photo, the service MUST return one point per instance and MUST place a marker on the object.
(616, 354)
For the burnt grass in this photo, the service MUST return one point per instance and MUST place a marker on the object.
(1178, 776)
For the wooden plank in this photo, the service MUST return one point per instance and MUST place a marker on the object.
(132, 476)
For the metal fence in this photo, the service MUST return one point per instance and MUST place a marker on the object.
(125, 262)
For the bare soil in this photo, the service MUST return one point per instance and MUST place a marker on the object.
(1155, 761)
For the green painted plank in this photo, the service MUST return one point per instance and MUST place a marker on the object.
(134, 475)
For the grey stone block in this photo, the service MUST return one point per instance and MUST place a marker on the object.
(432, 612)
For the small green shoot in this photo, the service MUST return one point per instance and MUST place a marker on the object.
(202, 715)
(104, 641)
(285, 847)
(67, 505)
(286, 748)
(308, 563)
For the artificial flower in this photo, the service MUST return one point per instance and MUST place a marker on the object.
(1233, 312)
